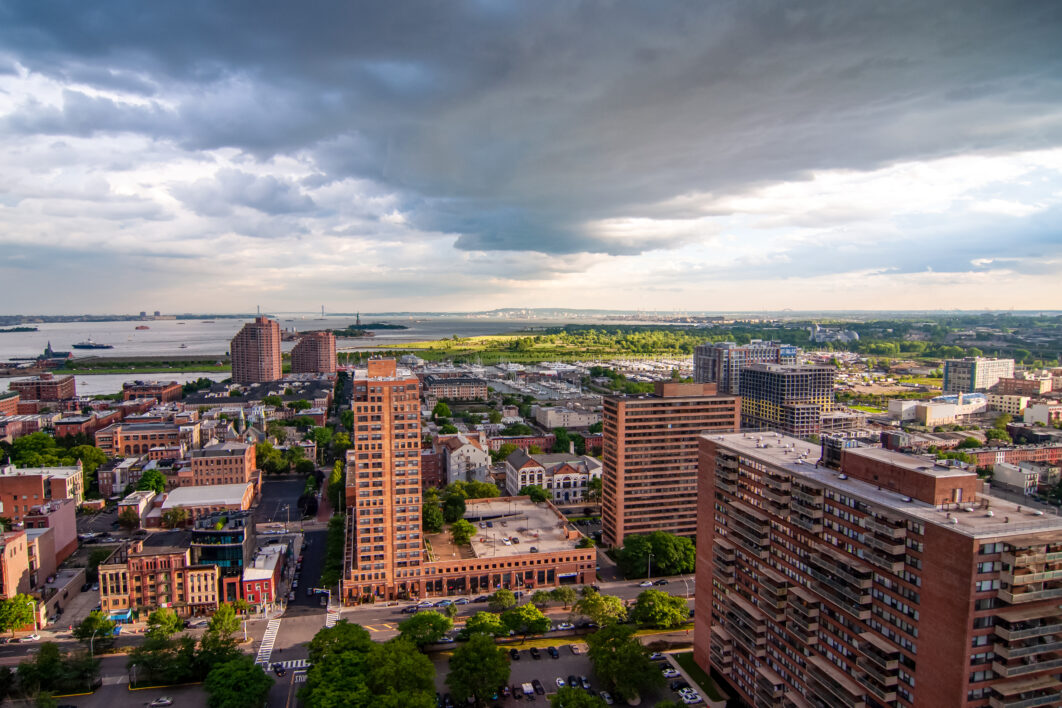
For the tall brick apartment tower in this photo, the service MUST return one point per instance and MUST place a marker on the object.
(888, 581)
(721, 363)
(256, 352)
(315, 353)
(383, 538)
(649, 475)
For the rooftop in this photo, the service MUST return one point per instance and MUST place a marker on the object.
(799, 457)
(538, 525)
(206, 495)
(914, 463)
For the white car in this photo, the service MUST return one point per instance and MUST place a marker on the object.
(646, 584)
(31, 638)
(607, 698)
(164, 701)
(691, 698)
(671, 673)
(560, 682)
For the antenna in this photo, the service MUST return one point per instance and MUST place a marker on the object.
(259, 309)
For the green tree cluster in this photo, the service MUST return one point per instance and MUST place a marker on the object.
(425, 627)
(622, 662)
(53, 671)
(601, 609)
(477, 669)
(536, 492)
(671, 555)
(349, 670)
(152, 480)
(661, 610)
(238, 683)
(166, 658)
(333, 563)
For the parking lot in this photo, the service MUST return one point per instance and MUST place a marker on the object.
(547, 670)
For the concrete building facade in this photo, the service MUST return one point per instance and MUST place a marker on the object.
(255, 352)
(975, 373)
(888, 581)
(315, 353)
(787, 398)
(649, 471)
(564, 476)
(721, 363)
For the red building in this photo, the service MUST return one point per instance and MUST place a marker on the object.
(9, 403)
(256, 352)
(46, 387)
(261, 578)
(161, 391)
(315, 353)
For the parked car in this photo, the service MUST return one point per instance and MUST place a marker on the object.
(671, 673)
(553, 652)
(461, 601)
(565, 625)
(645, 584)
(411, 610)
(278, 669)
(585, 682)
(163, 701)
(291, 596)
(537, 685)
(309, 592)
(444, 603)
(606, 697)
(86, 587)
(31, 638)
(514, 654)
(482, 598)
(678, 684)
(560, 682)
(662, 581)
(656, 656)
(535, 653)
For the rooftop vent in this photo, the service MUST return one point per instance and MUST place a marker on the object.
(990, 513)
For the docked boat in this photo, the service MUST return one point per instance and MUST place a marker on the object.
(142, 327)
(89, 344)
(183, 346)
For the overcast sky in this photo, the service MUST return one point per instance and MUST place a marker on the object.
(214, 156)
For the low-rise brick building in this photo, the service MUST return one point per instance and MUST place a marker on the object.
(161, 391)
(157, 572)
(46, 387)
(223, 463)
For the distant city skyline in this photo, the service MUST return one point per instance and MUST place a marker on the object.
(417, 156)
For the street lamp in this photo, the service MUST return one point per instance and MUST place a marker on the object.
(687, 586)
(33, 607)
(92, 639)
(649, 575)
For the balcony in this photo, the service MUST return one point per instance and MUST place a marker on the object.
(811, 498)
(727, 487)
(893, 564)
(1044, 699)
(1027, 693)
(1030, 666)
(889, 530)
(886, 545)
(878, 653)
(1026, 578)
(837, 688)
(1025, 630)
(776, 481)
(769, 685)
(1012, 651)
(1029, 595)
(808, 524)
(1029, 557)
(777, 498)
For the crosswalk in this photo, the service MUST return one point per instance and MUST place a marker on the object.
(331, 618)
(270, 636)
(293, 664)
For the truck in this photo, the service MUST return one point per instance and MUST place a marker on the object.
(528, 689)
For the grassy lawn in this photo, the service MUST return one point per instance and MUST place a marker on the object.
(867, 409)
(702, 679)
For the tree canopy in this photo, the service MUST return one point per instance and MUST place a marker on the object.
(425, 627)
(461, 532)
(569, 697)
(96, 632)
(17, 612)
(152, 480)
(601, 609)
(621, 661)
(477, 669)
(537, 493)
(163, 622)
(654, 608)
(525, 619)
(671, 554)
(485, 623)
(501, 600)
(238, 683)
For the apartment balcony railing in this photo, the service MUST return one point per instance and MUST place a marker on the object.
(889, 530)
(1027, 667)
(879, 653)
(1047, 699)
(1029, 595)
(808, 524)
(1012, 651)
(1024, 631)
(1020, 558)
(840, 689)
(727, 487)
(886, 545)
(1026, 578)
(806, 497)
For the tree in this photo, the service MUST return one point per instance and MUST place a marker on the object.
(342, 638)
(621, 661)
(477, 669)
(172, 518)
(340, 444)
(494, 417)
(659, 609)
(401, 675)
(441, 410)
(593, 489)
(17, 612)
(96, 632)
(425, 627)
(163, 622)
(461, 532)
(585, 542)
(432, 517)
(485, 623)
(526, 620)
(300, 405)
(224, 623)
(502, 600)
(537, 493)
(152, 480)
(596, 427)
(448, 429)
(129, 518)
(346, 418)
(565, 595)
(541, 598)
(569, 697)
(453, 507)
(601, 609)
(503, 452)
(969, 443)
(672, 555)
(238, 683)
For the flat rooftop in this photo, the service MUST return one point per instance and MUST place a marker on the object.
(914, 463)
(206, 495)
(533, 524)
(1008, 518)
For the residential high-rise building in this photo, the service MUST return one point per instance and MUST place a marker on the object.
(315, 353)
(721, 363)
(788, 398)
(382, 493)
(975, 373)
(256, 352)
(886, 581)
(649, 471)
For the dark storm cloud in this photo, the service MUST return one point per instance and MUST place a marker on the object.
(512, 125)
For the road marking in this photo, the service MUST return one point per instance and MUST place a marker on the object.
(300, 677)
(331, 618)
(295, 664)
(270, 636)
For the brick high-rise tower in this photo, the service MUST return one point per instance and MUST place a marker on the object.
(383, 546)
(315, 353)
(649, 472)
(256, 352)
